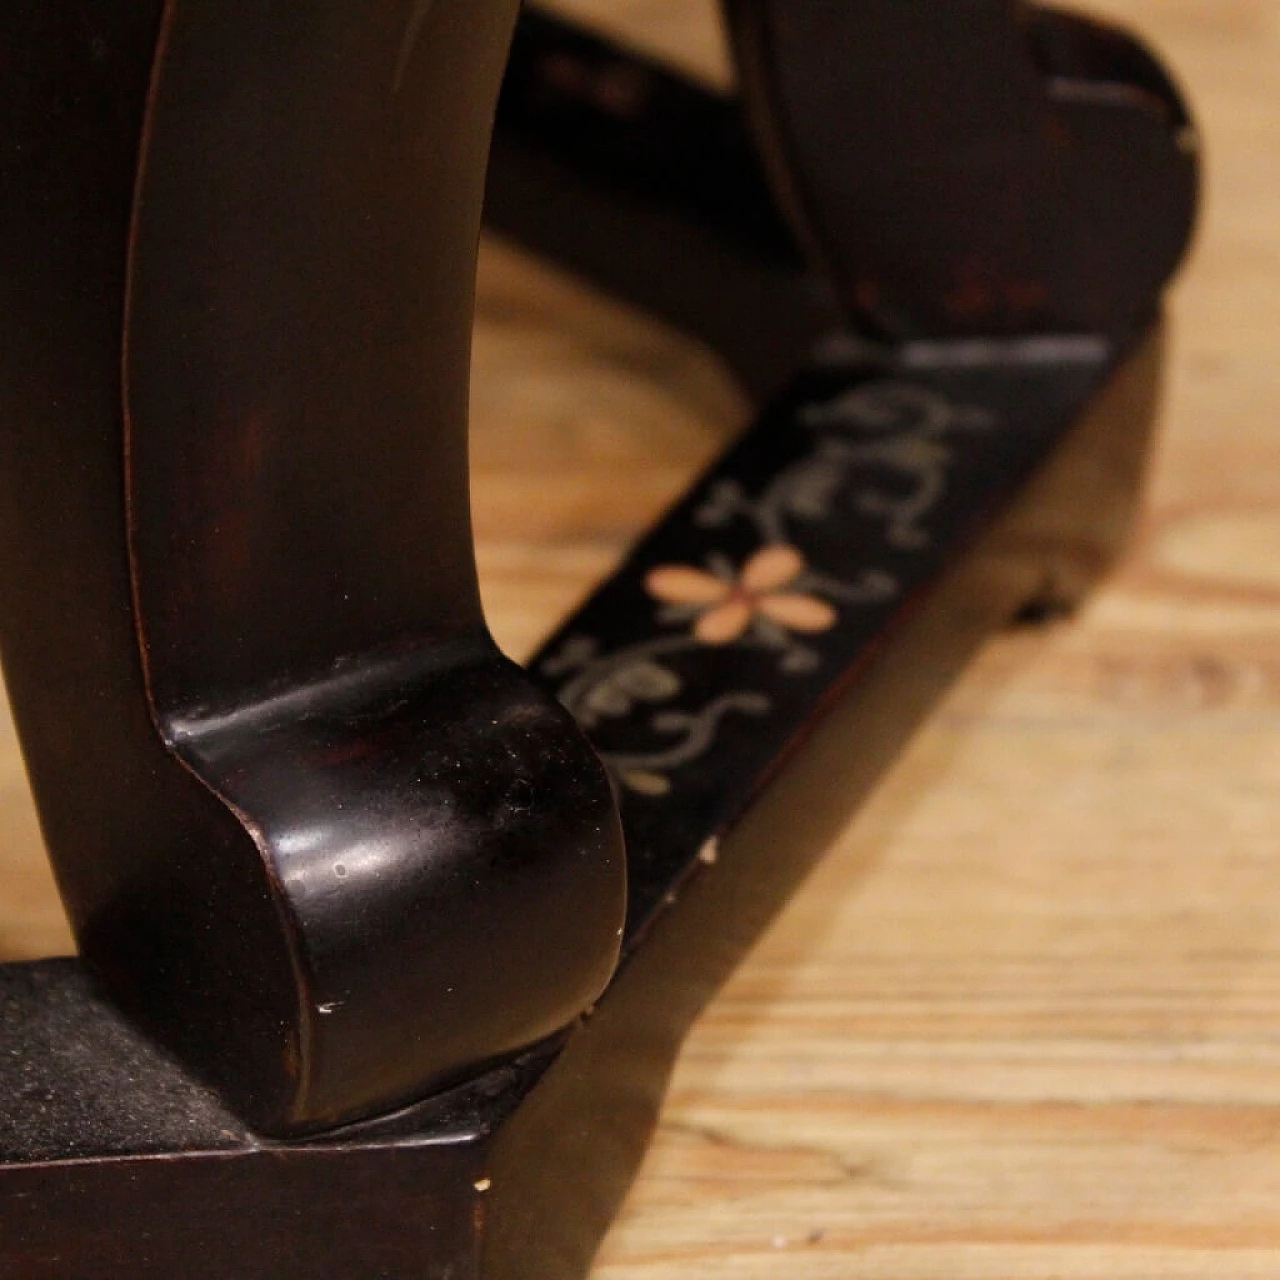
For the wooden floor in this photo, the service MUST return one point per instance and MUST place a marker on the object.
(1025, 1021)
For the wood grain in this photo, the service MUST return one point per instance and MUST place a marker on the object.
(1025, 1021)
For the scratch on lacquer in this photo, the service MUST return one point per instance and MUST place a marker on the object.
(412, 33)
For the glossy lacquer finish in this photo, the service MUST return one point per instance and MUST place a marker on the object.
(344, 876)
(607, 162)
(1009, 160)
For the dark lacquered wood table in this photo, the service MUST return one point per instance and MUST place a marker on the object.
(1025, 1020)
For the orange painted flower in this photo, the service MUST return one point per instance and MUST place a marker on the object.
(725, 610)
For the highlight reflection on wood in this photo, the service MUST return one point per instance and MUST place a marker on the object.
(1025, 1020)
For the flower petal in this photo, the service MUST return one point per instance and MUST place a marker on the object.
(772, 568)
(680, 584)
(724, 624)
(799, 613)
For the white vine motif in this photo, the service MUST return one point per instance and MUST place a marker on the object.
(893, 425)
(611, 686)
(774, 595)
(647, 772)
(604, 687)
